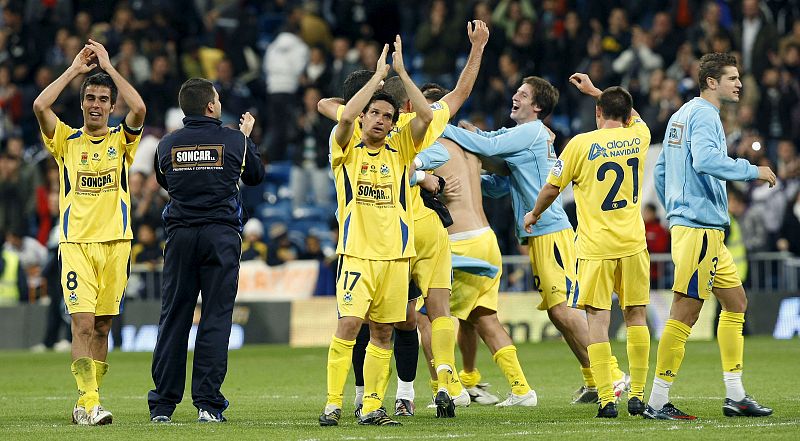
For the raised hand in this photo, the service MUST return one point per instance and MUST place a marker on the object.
(479, 34)
(397, 56)
(82, 61)
(246, 123)
(382, 67)
(584, 84)
(101, 53)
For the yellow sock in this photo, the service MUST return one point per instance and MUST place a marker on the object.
(469, 379)
(638, 359)
(377, 368)
(340, 356)
(434, 386)
(100, 368)
(600, 359)
(506, 359)
(443, 342)
(671, 349)
(84, 372)
(731, 341)
(616, 372)
(588, 379)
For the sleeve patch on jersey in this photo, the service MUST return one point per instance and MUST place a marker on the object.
(675, 134)
(436, 106)
(558, 168)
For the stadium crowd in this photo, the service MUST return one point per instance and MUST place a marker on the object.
(276, 59)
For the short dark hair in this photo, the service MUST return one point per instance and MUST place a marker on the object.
(712, 66)
(433, 91)
(194, 96)
(615, 103)
(354, 82)
(383, 96)
(394, 87)
(545, 95)
(100, 79)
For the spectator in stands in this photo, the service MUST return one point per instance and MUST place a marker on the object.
(280, 248)
(657, 237)
(508, 13)
(253, 247)
(617, 37)
(14, 194)
(233, 94)
(663, 101)
(47, 200)
(571, 44)
(147, 250)
(775, 107)
(159, 91)
(55, 310)
(146, 199)
(341, 66)
(313, 249)
(789, 234)
(788, 161)
(438, 39)
(32, 255)
(284, 61)
(756, 38)
(699, 34)
(310, 167)
(636, 63)
(139, 65)
(317, 74)
(752, 226)
(13, 283)
(665, 38)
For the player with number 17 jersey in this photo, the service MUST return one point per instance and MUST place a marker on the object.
(612, 160)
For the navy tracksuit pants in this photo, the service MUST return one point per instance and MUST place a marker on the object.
(202, 259)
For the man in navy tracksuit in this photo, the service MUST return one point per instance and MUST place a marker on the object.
(200, 166)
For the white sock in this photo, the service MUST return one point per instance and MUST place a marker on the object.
(659, 395)
(733, 385)
(359, 396)
(330, 408)
(444, 367)
(405, 390)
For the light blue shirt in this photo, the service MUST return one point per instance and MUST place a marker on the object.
(474, 266)
(693, 166)
(529, 155)
(431, 158)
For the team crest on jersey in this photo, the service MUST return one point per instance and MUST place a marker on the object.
(597, 151)
(364, 168)
(112, 153)
(96, 156)
(84, 158)
(384, 170)
(347, 298)
(558, 168)
(73, 298)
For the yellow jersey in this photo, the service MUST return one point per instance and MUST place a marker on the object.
(94, 202)
(441, 116)
(372, 193)
(605, 167)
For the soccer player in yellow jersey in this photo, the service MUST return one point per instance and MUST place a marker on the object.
(430, 268)
(376, 233)
(605, 168)
(94, 204)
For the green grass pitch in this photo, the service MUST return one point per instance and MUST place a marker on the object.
(277, 393)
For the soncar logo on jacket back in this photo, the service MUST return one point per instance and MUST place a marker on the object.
(197, 157)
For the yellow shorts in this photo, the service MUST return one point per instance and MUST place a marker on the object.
(471, 291)
(94, 275)
(628, 276)
(374, 289)
(702, 262)
(553, 266)
(432, 267)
